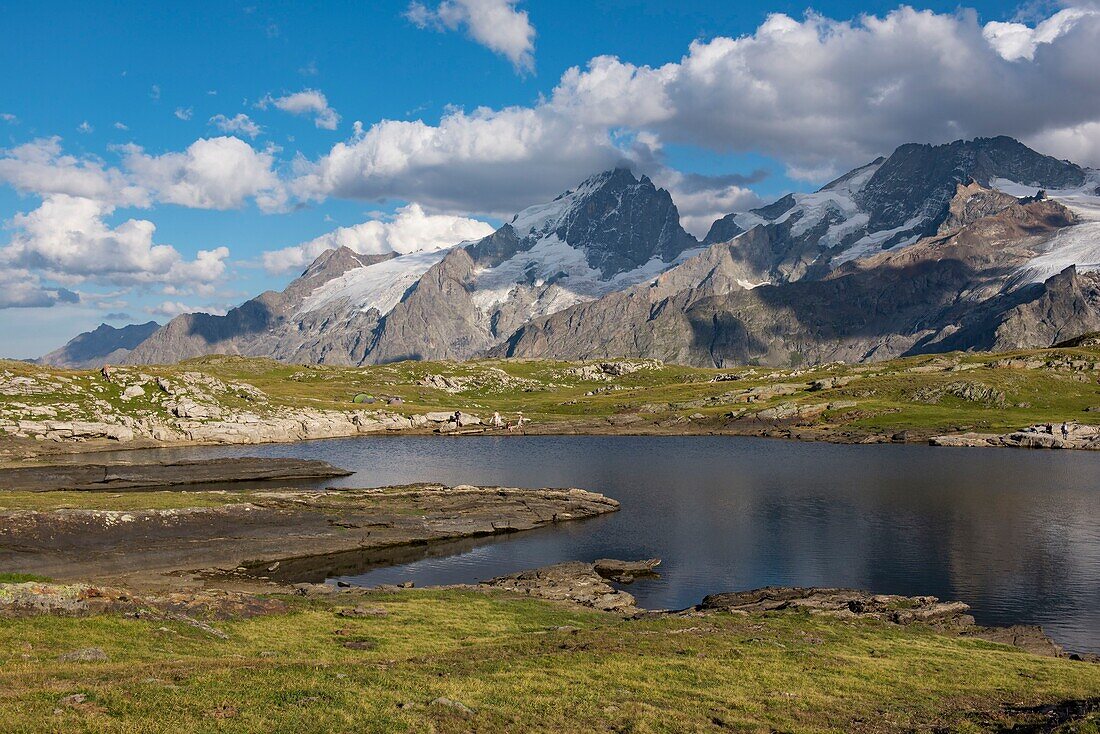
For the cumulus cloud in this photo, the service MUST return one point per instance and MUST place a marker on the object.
(820, 95)
(239, 123)
(9, 118)
(85, 128)
(703, 199)
(306, 102)
(22, 289)
(68, 239)
(823, 95)
(494, 161)
(171, 309)
(411, 229)
(182, 113)
(1019, 41)
(495, 24)
(41, 167)
(1078, 143)
(212, 173)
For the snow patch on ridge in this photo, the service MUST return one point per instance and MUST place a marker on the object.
(379, 286)
(551, 260)
(1076, 245)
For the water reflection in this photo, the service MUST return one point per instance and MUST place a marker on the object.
(1013, 533)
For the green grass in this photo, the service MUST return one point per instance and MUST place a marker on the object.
(502, 657)
(21, 578)
(886, 394)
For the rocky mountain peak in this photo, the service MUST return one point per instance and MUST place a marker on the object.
(620, 222)
(918, 181)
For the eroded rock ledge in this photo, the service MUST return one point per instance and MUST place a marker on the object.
(1040, 436)
(279, 536)
(113, 477)
(587, 584)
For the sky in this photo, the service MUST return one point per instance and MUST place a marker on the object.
(157, 158)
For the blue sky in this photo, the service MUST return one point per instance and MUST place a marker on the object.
(136, 135)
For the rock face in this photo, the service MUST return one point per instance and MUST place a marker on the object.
(268, 325)
(104, 345)
(963, 289)
(612, 231)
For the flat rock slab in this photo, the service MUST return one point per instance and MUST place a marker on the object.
(576, 582)
(113, 477)
(281, 535)
(949, 617)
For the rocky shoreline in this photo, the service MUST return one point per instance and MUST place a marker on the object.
(585, 585)
(247, 539)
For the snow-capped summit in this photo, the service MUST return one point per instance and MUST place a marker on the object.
(613, 230)
(888, 203)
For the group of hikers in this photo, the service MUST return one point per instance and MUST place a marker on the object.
(497, 421)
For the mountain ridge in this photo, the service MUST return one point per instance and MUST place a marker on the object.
(609, 270)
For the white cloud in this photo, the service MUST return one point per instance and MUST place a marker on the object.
(306, 102)
(121, 126)
(67, 239)
(85, 128)
(239, 123)
(40, 167)
(154, 92)
(9, 117)
(821, 95)
(184, 114)
(21, 288)
(1079, 143)
(212, 173)
(701, 200)
(495, 24)
(1019, 41)
(485, 161)
(824, 95)
(410, 230)
(171, 309)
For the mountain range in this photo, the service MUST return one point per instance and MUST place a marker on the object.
(979, 244)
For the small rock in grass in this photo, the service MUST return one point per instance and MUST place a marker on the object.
(84, 655)
(361, 612)
(361, 645)
(73, 699)
(455, 706)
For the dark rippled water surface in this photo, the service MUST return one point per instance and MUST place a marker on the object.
(1014, 533)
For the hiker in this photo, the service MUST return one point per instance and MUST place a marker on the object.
(1065, 431)
(106, 372)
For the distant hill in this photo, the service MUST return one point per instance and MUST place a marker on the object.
(105, 344)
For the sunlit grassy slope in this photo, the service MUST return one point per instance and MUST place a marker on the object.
(517, 665)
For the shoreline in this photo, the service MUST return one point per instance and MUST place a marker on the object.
(1036, 398)
(32, 453)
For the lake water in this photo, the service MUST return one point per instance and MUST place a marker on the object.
(1013, 533)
